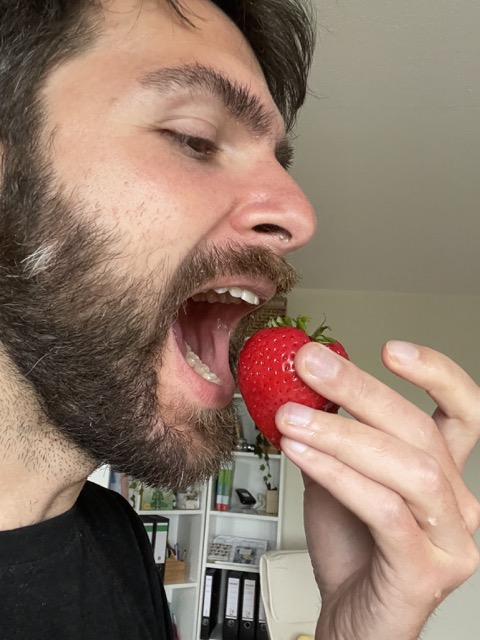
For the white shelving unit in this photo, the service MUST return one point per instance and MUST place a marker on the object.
(194, 530)
(248, 524)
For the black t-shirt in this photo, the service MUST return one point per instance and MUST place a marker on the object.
(88, 574)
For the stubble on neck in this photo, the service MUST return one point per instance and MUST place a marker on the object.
(41, 473)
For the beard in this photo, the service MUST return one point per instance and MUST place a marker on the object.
(90, 341)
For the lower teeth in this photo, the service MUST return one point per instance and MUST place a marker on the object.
(200, 367)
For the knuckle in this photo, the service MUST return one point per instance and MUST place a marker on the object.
(444, 577)
(471, 412)
(427, 429)
(430, 475)
(475, 407)
(473, 559)
(394, 513)
(426, 432)
(471, 513)
(468, 563)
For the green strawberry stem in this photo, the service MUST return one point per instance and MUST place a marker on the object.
(300, 322)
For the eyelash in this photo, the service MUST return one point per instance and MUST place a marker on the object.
(189, 144)
(195, 146)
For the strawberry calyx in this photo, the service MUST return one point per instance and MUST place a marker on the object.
(301, 322)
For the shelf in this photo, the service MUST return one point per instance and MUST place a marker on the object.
(246, 516)
(169, 512)
(180, 585)
(250, 454)
(232, 566)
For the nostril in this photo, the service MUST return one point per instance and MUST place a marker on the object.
(274, 229)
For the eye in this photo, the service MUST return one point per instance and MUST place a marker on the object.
(194, 146)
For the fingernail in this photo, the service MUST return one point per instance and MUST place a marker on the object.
(321, 362)
(296, 414)
(402, 352)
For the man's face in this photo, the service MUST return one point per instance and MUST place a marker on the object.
(163, 148)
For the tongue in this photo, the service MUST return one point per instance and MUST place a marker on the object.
(206, 329)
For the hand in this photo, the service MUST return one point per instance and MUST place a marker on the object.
(388, 518)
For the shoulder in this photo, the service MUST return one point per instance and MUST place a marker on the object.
(106, 509)
(95, 497)
(111, 520)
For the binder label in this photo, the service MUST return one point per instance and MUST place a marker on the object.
(231, 607)
(248, 607)
(207, 598)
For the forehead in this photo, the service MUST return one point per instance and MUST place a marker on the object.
(143, 24)
(137, 37)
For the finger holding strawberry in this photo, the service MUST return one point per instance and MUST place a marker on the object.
(388, 518)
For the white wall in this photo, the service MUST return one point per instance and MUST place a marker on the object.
(388, 146)
(363, 321)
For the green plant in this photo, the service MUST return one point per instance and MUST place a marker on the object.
(135, 493)
(261, 449)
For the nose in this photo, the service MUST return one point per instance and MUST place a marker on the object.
(271, 209)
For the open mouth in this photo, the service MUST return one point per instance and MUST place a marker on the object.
(205, 324)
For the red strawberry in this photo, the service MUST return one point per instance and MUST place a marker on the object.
(266, 373)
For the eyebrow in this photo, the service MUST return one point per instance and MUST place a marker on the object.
(242, 105)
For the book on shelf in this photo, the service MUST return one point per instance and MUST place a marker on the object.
(224, 488)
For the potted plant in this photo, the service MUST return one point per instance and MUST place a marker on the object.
(262, 450)
(135, 493)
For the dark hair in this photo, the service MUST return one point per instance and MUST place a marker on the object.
(36, 35)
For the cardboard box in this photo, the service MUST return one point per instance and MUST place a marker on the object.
(175, 571)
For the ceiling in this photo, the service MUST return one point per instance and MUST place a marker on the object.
(388, 147)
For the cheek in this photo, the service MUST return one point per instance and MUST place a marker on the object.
(156, 206)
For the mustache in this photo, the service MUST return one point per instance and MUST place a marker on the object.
(232, 260)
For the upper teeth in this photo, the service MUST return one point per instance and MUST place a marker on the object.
(228, 295)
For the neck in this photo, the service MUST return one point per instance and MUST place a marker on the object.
(41, 474)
